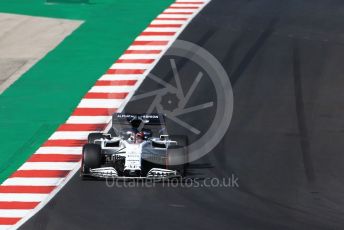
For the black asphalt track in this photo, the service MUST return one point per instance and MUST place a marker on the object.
(285, 142)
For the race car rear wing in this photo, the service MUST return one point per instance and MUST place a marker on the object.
(130, 118)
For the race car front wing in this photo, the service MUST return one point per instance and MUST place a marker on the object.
(154, 173)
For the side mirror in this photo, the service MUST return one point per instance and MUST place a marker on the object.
(164, 137)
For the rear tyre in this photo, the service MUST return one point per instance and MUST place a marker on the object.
(91, 158)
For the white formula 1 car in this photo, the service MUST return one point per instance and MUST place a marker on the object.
(137, 146)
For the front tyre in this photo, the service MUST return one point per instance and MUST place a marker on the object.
(177, 157)
(91, 158)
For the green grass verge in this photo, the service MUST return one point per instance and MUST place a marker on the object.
(33, 107)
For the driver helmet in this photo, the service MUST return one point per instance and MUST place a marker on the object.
(140, 136)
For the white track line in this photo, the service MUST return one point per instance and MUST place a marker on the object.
(145, 47)
(33, 181)
(28, 197)
(168, 22)
(141, 56)
(180, 10)
(204, 1)
(120, 76)
(162, 29)
(153, 38)
(185, 5)
(14, 212)
(49, 165)
(111, 89)
(130, 65)
(5, 227)
(100, 103)
(173, 16)
(72, 135)
(59, 150)
(88, 119)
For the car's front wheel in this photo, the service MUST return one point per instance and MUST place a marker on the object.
(91, 158)
(177, 157)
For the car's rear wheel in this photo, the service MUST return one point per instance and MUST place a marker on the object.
(91, 158)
